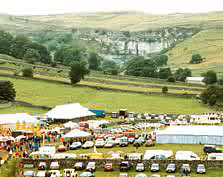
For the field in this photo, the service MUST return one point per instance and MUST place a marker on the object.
(51, 94)
(208, 44)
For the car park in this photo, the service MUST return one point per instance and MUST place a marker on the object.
(88, 144)
(42, 166)
(140, 167)
(99, 143)
(141, 175)
(91, 166)
(171, 168)
(69, 173)
(125, 166)
(108, 167)
(61, 148)
(75, 145)
(54, 166)
(79, 166)
(155, 167)
(200, 169)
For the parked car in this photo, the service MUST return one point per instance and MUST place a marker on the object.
(123, 142)
(109, 144)
(171, 168)
(186, 167)
(61, 148)
(108, 167)
(141, 175)
(87, 174)
(54, 166)
(140, 167)
(155, 167)
(91, 166)
(142, 139)
(137, 143)
(131, 140)
(155, 175)
(149, 143)
(211, 149)
(124, 175)
(75, 145)
(100, 143)
(69, 173)
(28, 174)
(55, 173)
(125, 166)
(200, 169)
(88, 144)
(42, 166)
(79, 166)
(40, 173)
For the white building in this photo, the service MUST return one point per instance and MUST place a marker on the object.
(195, 80)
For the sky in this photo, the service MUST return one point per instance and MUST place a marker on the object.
(44, 7)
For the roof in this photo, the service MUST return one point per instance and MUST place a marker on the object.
(19, 117)
(192, 130)
(76, 133)
(195, 79)
(69, 111)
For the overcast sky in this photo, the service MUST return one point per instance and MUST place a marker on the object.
(42, 7)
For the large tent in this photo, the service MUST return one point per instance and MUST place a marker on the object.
(69, 112)
(76, 133)
(191, 135)
(10, 120)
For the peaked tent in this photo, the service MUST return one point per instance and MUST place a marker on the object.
(69, 112)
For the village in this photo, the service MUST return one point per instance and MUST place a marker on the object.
(72, 140)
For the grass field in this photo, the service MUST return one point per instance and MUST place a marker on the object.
(49, 94)
(21, 109)
(208, 44)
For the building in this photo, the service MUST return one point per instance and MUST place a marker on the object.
(195, 80)
(70, 112)
(191, 135)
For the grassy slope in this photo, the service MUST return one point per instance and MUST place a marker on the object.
(42, 93)
(208, 43)
(21, 109)
(132, 20)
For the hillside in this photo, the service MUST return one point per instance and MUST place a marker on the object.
(208, 43)
(132, 21)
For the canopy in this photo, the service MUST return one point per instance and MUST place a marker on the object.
(19, 117)
(76, 133)
(69, 112)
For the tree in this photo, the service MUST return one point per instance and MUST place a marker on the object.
(32, 56)
(165, 90)
(212, 95)
(110, 67)
(182, 74)
(196, 59)
(27, 72)
(210, 77)
(161, 60)
(6, 40)
(171, 79)
(7, 91)
(220, 81)
(78, 71)
(164, 73)
(94, 61)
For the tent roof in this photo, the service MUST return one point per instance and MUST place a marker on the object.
(69, 111)
(14, 118)
(76, 133)
(192, 130)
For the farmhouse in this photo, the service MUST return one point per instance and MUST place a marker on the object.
(195, 80)
(70, 112)
(191, 135)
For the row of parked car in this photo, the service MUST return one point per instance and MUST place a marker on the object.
(125, 166)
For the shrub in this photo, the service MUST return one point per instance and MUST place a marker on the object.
(165, 90)
(27, 72)
(171, 79)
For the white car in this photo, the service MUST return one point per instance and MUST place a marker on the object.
(88, 144)
(55, 173)
(141, 175)
(69, 173)
(54, 166)
(100, 143)
(75, 145)
(41, 174)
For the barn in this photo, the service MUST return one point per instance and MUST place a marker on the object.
(191, 135)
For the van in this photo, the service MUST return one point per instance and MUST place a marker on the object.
(123, 142)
